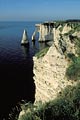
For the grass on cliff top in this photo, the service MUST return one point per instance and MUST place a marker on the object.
(42, 52)
(73, 70)
(74, 24)
(65, 107)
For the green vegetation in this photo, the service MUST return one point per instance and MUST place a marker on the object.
(62, 26)
(74, 24)
(77, 45)
(67, 104)
(42, 52)
(75, 27)
(70, 32)
(58, 23)
(65, 107)
(73, 71)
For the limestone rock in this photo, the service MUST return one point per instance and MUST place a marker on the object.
(24, 40)
(66, 29)
(50, 70)
(50, 75)
(76, 34)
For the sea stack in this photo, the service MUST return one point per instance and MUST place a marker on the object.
(24, 38)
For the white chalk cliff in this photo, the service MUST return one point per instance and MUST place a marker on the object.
(50, 75)
(50, 70)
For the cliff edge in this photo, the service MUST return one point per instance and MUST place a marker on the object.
(50, 75)
(50, 70)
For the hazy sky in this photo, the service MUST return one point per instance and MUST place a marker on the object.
(29, 10)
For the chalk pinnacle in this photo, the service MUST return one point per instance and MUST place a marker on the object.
(24, 38)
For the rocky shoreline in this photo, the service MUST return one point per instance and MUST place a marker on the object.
(50, 70)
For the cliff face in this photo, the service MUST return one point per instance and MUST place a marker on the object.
(45, 31)
(50, 70)
(50, 75)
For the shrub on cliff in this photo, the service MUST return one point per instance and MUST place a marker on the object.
(42, 52)
(73, 71)
(65, 107)
(77, 45)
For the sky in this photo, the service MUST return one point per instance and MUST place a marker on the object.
(39, 10)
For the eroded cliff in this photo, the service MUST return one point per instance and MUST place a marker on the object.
(50, 70)
(50, 75)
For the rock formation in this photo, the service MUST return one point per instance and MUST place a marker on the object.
(24, 40)
(45, 31)
(50, 70)
(50, 75)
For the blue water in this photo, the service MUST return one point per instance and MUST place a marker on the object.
(10, 41)
(16, 64)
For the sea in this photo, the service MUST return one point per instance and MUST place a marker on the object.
(16, 65)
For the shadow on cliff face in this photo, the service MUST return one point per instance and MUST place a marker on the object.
(16, 84)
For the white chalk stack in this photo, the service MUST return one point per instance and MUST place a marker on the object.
(24, 38)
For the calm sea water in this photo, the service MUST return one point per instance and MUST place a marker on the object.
(10, 38)
(16, 65)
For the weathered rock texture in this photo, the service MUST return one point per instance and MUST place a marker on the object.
(45, 31)
(50, 75)
(50, 70)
